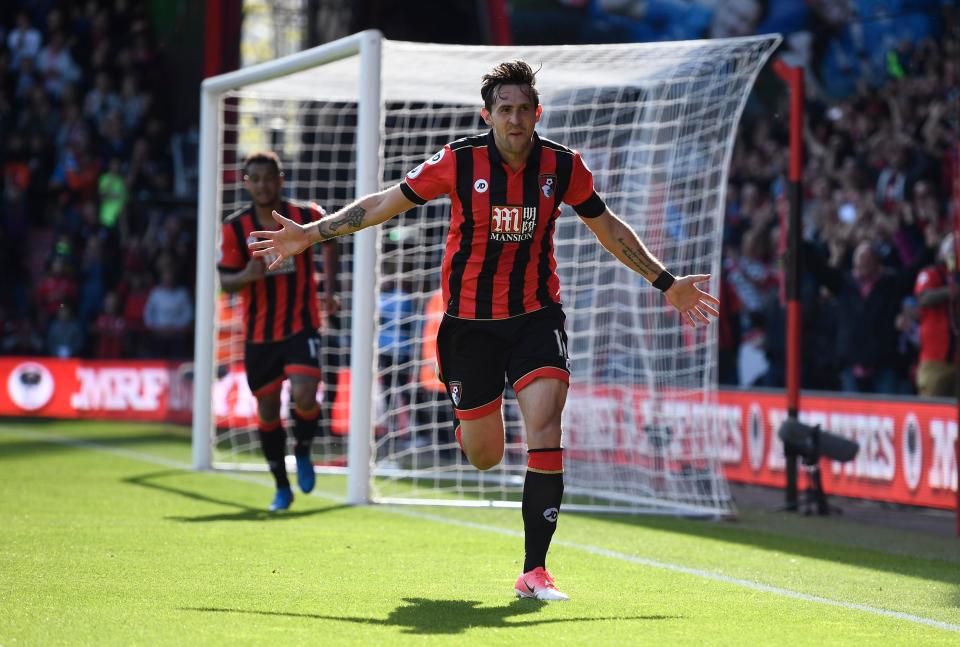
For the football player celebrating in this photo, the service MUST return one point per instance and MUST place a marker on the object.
(501, 291)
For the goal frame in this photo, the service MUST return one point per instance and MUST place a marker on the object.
(366, 44)
(371, 87)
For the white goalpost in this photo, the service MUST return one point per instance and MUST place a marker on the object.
(655, 123)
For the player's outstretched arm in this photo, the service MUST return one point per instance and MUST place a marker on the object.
(683, 292)
(236, 281)
(292, 238)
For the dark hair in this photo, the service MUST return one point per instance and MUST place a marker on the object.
(514, 72)
(262, 157)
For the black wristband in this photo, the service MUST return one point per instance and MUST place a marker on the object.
(664, 281)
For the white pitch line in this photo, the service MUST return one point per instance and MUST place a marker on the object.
(593, 550)
(676, 568)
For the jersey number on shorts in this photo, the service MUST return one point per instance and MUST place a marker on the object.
(314, 347)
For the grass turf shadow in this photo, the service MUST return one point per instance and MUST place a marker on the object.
(422, 616)
(243, 512)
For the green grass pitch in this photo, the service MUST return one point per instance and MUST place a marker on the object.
(107, 538)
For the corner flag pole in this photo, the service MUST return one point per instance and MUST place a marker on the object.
(793, 77)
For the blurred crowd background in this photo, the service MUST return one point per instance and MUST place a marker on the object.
(97, 225)
(98, 151)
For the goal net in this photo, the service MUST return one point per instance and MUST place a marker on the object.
(656, 125)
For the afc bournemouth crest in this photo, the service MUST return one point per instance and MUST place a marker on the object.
(548, 184)
(456, 392)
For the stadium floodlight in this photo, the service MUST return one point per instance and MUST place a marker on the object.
(655, 122)
(812, 443)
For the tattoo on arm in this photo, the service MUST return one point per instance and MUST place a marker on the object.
(639, 256)
(352, 217)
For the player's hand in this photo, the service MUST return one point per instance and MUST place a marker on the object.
(291, 239)
(694, 305)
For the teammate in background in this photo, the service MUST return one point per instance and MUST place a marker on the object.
(500, 287)
(281, 318)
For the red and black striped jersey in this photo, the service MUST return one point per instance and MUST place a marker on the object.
(284, 301)
(499, 259)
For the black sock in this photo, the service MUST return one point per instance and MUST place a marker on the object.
(542, 492)
(274, 445)
(304, 429)
(325, 421)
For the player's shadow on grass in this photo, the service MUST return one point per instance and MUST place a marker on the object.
(424, 616)
(242, 512)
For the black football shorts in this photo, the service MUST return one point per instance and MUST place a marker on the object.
(477, 357)
(267, 364)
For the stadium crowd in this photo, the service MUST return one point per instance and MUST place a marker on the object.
(95, 263)
(880, 171)
(94, 259)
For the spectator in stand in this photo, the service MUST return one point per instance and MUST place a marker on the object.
(81, 171)
(135, 259)
(55, 20)
(753, 277)
(93, 275)
(6, 100)
(64, 336)
(57, 287)
(112, 188)
(925, 206)
(113, 142)
(941, 130)
(136, 291)
(168, 315)
(150, 164)
(22, 339)
(133, 103)
(109, 329)
(911, 235)
(907, 324)
(16, 185)
(38, 116)
(936, 292)
(729, 333)
(892, 182)
(91, 228)
(24, 40)
(27, 78)
(733, 18)
(99, 28)
(63, 247)
(40, 160)
(14, 298)
(868, 299)
(818, 208)
(56, 64)
(101, 100)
